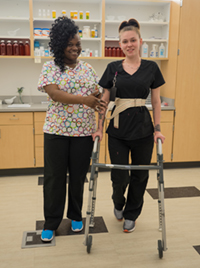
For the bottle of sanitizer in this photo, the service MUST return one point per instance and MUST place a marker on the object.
(161, 51)
(153, 51)
(145, 50)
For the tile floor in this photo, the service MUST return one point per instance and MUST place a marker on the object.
(21, 205)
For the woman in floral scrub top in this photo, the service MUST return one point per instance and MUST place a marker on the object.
(73, 91)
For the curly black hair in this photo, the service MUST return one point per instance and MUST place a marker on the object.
(63, 30)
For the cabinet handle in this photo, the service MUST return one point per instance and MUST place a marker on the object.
(14, 118)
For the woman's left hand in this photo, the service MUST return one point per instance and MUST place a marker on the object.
(158, 134)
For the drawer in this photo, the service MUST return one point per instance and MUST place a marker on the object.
(16, 118)
(39, 116)
(39, 127)
(39, 140)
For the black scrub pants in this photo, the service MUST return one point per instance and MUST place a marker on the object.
(63, 153)
(141, 152)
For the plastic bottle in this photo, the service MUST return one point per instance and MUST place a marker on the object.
(75, 15)
(27, 49)
(96, 31)
(39, 13)
(80, 33)
(3, 48)
(86, 31)
(96, 53)
(9, 48)
(145, 50)
(44, 13)
(15, 48)
(48, 13)
(87, 15)
(21, 48)
(53, 14)
(153, 51)
(161, 51)
(80, 15)
(64, 13)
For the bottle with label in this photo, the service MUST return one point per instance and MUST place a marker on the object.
(86, 31)
(9, 48)
(39, 13)
(109, 52)
(44, 13)
(87, 15)
(96, 54)
(145, 50)
(64, 13)
(75, 15)
(3, 48)
(117, 52)
(96, 31)
(106, 52)
(48, 13)
(153, 51)
(21, 48)
(53, 14)
(27, 49)
(15, 48)
(80, 33)
(161, 51)
(93, 33)
(80, 15)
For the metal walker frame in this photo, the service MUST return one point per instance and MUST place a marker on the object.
(162, 246)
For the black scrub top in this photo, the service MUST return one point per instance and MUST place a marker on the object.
(135, 122)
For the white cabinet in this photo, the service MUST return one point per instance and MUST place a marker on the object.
(95, 8)
(154, 18)
(14, 15)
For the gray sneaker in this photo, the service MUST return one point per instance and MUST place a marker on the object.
(129, 226)
(118, 214)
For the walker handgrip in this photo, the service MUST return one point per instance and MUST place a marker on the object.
(95, 144)
(159, 146)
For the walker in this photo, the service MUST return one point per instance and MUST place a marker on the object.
(93, 186)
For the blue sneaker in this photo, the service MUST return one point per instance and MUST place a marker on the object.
(77, 226)
(47, 235)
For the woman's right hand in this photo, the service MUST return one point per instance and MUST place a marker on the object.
(94, 102)
(97, 133)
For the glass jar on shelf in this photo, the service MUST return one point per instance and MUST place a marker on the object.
(9, 48)
(21, 48)
(15, 48)
(27, 49)
(2, 48)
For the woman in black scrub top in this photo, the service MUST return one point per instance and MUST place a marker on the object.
(131, 129)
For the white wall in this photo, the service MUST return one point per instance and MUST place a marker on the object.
(16, 73)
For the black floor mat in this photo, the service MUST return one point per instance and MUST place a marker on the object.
(197, 248)
(176, 192)
(65, 227)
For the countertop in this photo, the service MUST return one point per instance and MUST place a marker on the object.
(42, 107)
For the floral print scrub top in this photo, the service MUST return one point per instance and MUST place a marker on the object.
(69, 119)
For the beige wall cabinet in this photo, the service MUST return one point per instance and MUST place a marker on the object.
(16, 140)
(187, 127)
(39, 118)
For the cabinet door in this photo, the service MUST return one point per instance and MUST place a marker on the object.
(16, 143)
(187, 128)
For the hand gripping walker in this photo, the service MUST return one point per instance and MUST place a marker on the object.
(93, 185)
